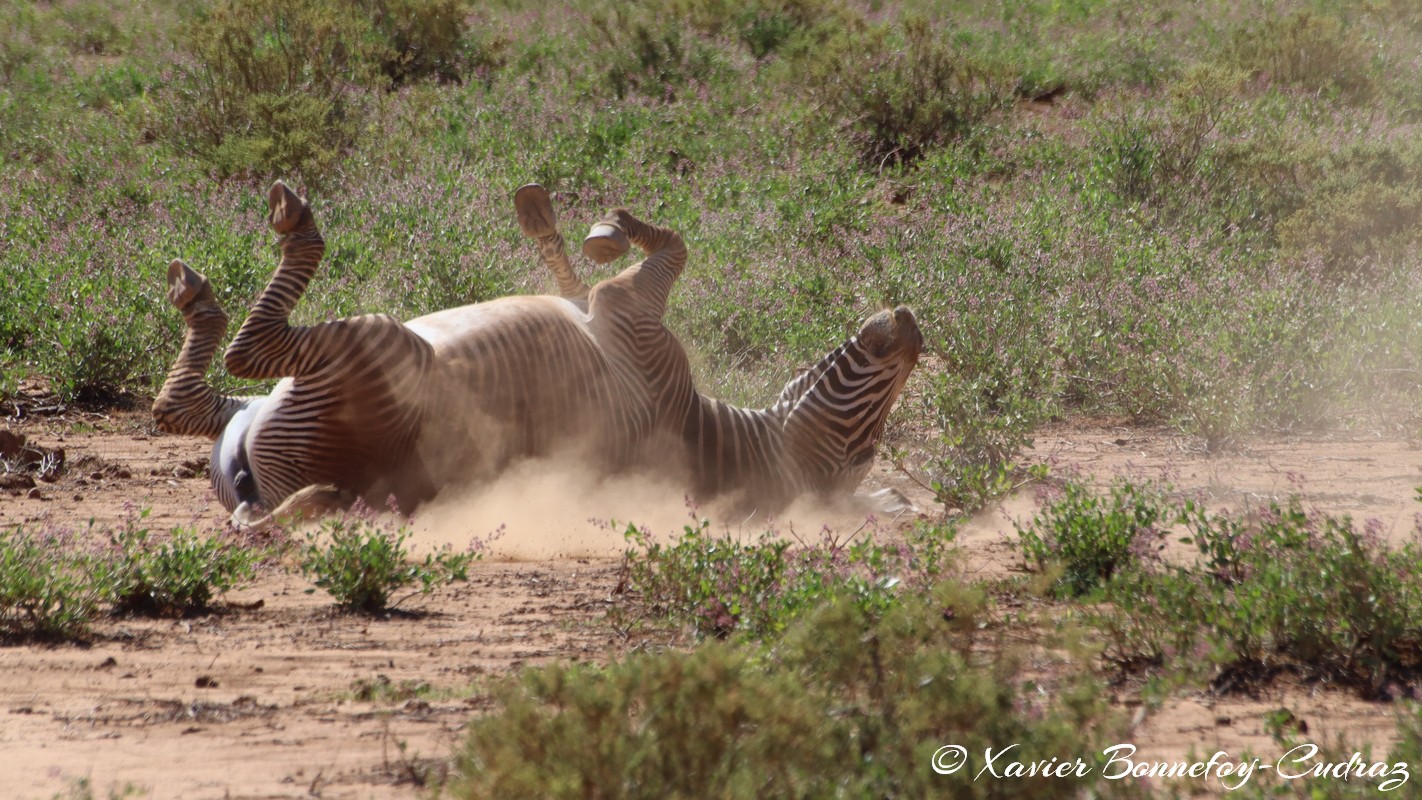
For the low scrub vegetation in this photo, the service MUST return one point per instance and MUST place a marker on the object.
(756, 587)
(848, 702)
(1276, 589)
(56, 583)
(362, 562)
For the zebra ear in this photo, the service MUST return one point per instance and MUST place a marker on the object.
(286, 208)
(184, 283)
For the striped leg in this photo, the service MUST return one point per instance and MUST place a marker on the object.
(267, 346)
(187, 404)
(651, 280)
(539, 222)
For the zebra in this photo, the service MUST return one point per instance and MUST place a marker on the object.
(371, 408)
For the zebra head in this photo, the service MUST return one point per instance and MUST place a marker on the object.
(838, 409)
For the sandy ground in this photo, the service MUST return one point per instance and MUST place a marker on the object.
(276, 696)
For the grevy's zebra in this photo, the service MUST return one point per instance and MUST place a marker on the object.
(369, 407)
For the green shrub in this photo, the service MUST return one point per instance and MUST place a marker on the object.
(1091, 538)
(361, 563)
(1280, 590)
(1165, 154)
(651, 55)
(1356, 233)
(175, 574)
(905, 89)
(721, 585)
(850, 704)
(1312, 51)
(275, 87)
(983, 424)
(48, 587)
(416, 39)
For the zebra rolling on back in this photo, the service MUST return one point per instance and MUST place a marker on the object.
(369, 407)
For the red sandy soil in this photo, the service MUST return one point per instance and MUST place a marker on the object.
(271, 697)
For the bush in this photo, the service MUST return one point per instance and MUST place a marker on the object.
(1280, 590)
(361, 563)
(1312, 51)
(1090, 538)
(274, 86)
(48, 587)
(175, 574)
(850, 704)
(1356, 233)
(720, 585)
(903, 90)
(650, 54)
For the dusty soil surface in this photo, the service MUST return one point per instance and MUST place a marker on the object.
(277, 696)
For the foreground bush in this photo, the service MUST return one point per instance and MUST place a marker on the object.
(178, 573)
(848, 704)
(1277, 590)
(362, 562)
(47, 587)
(719, 584)
(1285, 590)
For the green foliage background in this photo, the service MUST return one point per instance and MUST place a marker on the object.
(1199, 214)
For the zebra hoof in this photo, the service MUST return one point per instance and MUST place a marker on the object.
(889, 501)
(186, 285)
(535, 212)
(605, 243)
(286, 207)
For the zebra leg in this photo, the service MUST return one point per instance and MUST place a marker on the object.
(306, 505)
(267, 346)
(540, 223)
(651, 280)
(187, 404)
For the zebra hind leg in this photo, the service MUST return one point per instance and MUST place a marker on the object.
(186, 404)
(536, 217)
(306, 505)
(607, 241)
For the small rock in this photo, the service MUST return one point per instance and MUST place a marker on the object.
(10, 444)
(183, 472)
(205, 682)
(35, 494)
(123, 474)
(15, 480)
(108, 663)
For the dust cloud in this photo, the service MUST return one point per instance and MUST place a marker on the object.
(549, 508)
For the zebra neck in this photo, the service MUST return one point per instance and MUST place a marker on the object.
(736, 450)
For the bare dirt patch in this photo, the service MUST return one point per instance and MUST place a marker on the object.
(277, 696)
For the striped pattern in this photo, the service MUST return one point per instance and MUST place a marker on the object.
(819, 436)
(373, 408)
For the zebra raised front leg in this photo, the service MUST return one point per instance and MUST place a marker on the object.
(539, 222)
(267, 346)
(649, 281)
(187, 404)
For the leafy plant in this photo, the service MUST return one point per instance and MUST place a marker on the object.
(852, 702)
(48, 586)
(361, 563)
(1280, 589)
(720, 585)
(177, 573)
(1092, 538)
(905, 89)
